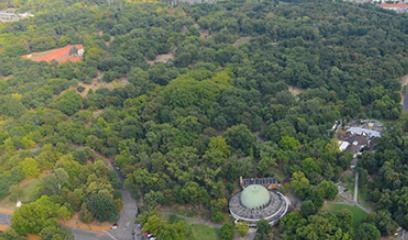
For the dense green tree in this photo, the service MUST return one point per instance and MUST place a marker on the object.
(227, 232)
(69, 102)
(35, 216)
(368, 231)
(263, 231)
(102, 207)
(308, 208)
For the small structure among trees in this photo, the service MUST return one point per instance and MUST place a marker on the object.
(7, 16)
(69, 53)
(359, 136)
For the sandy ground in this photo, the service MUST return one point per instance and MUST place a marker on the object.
(3, 227)
(98, 83)
(204, 34)
(76, 223)
(162, 58)
(6, 211)
(33, 237)
(241, 41)
(404, 82)
(294, 90)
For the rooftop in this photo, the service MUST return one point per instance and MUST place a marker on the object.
(255, 196)
(69, 53)
(394, 5)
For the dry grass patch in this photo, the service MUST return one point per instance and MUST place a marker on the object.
(295, 91)
(404, 80)
(4, 227)
(162, 58)
(76, 223)
(97, 83)
(241, 41)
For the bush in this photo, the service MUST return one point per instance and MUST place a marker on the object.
(227, 232)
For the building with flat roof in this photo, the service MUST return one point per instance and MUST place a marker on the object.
(7, 16)
(396, 7)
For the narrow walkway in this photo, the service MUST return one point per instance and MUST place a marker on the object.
(355, 196)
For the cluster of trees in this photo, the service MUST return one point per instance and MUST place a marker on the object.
(185, 130)
(387, 168)
(175, 228)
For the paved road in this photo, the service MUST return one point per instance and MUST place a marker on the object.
(402, 235)
(405, 101)
(355, 196)
(5, 219)
(87, 235)
(126, 223)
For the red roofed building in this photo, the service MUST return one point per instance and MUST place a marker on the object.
(397, 7)
(69, 53)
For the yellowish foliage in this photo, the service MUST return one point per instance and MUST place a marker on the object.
(17, 96)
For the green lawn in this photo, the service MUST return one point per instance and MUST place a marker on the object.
(358, 214)
(27, 193)
(203, 232)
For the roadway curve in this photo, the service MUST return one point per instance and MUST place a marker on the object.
(126, 224)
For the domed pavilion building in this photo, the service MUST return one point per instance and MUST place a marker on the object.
(255, 202)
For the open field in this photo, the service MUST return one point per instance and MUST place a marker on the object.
(295, 90)
(203, 232)
(358, 215)
(28, 192)
(201, 229)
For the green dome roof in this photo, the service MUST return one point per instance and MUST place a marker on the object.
(255, 196)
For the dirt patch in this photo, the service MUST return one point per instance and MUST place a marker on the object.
(404, 82)
(6, 211)
(94, 226)
(97, 113)
(295, 91)
(33, 237)
(69, 53)
(4, 227)
(241, 41)
(97, 83)
(162, 58)
(204, 34)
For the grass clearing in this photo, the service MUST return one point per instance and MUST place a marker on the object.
(358, 215)
(27, 192)
(203, 232)
(201, 229)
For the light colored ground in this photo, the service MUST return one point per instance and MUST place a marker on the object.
(33, 237)
(97, 113)
(97, 83)
(162, 58)
(404, 82)
(204, 34)
(295, 91)
(4, 228)
(7, 211)
(28, 187)
(241, 41)
(74, 222)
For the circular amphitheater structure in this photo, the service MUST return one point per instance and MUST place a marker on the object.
(255, 202)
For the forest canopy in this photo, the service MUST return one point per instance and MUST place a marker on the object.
(186, 99)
